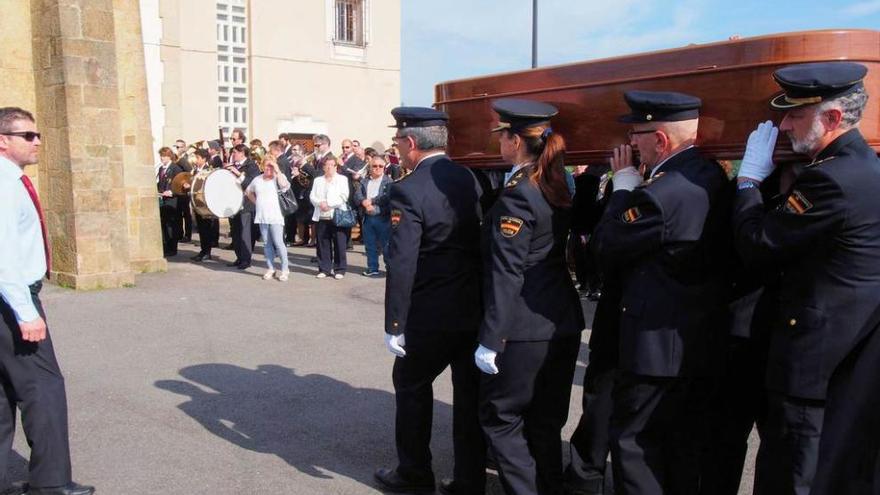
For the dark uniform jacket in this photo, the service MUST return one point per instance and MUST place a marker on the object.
(665, 239)
(216, 161)
(251, 171)
(434, 255)
(164, 184)
(826, 240)
(528, 292)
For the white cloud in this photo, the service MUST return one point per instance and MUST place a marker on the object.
(862, 8)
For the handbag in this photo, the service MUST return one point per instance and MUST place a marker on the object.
(344, 219)
(287, 201)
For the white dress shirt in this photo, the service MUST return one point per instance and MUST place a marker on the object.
(22, 258)
(334, 193)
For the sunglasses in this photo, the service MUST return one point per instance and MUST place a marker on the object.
(28, 136)
(377, 166)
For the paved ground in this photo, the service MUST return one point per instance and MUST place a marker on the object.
(207, 380)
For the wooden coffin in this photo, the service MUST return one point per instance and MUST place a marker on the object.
(733, 78)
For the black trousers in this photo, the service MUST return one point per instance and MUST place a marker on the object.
(183, 209)
(32, 380)
(170, 221)
(789, 451)
(589, 442)
(209, 233)
(657, 427)
(523, 409)
(290, 228)
(739, 402)
(331, 247)
(241, 228)
(427, 355)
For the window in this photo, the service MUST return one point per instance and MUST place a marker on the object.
(235, 74)
(244, 75)
(244, 115)
(226, 73)
(232, 92)
(350, 22)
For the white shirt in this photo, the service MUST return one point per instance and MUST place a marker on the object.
(655, 169)
(22, 258)
(266, 194)
(334, 193)
(373, 187)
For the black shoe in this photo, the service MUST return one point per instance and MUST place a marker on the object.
(243, 266)
(451, 487)
(17, 488)
(199, 258)
(390, 480)
(68, 489)
(234, 263)
(574, 484)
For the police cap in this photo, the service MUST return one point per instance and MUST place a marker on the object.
(515, 114)
(807, 84)
(418, 117)
(660, 106)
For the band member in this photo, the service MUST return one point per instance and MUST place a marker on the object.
(241, 225)
(826, 239)
(532, 321)
(432, 304)
(183, 163)
(658, 236)
(208, 227)
(168, 213)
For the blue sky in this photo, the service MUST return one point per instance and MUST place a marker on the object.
(452, 39)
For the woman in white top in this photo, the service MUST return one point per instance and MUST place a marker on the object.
(330, 191)
(263, 192)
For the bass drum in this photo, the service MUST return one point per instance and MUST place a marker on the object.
(216, 194)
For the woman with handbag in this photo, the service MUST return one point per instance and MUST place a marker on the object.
(333, 218)
(264, 192)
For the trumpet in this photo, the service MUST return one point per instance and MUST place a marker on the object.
(304, 179)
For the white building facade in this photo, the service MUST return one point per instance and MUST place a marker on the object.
(272, 66)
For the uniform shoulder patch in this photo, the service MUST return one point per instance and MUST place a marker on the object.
(510, 226)
(396, 215)
(631, 215)
(797, 203)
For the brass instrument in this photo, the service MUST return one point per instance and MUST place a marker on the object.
(304, 179)
(257, 154)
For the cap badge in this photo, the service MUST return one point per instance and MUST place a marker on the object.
(649, 117)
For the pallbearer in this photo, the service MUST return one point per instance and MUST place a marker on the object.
(826, 240)
(532, 323)
(666, 238)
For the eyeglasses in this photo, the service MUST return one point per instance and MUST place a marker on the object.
(377, 166)
(28, 136)
(630, 133)
(346, 147)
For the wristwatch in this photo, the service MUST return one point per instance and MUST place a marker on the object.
(748, 184)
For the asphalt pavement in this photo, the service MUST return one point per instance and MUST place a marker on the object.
(211, 380)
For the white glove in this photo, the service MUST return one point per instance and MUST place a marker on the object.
(626, 178)
(485, 359)
(757, 162)
(395, 344)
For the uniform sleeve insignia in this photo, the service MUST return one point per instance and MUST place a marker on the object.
(797, 203)
(510, 226)
(631, 215)
(396, 215)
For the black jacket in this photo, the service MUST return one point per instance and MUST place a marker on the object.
(528, 291)
(826, 240)
(251, 171)
(666, 239)
(164, 184)
(433, 280)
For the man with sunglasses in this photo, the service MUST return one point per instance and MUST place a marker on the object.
(666, 238)
(29, 372)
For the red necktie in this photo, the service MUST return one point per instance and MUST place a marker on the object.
(33, 194)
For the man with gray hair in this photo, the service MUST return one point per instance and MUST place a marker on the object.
(30, 378)
(826, 240)
(432, 304)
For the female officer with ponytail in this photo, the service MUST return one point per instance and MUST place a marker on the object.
(530, 333)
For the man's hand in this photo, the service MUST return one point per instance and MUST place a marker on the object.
(395, 344)
(625, 177)
(757, 162)
(370, 209)
(366, 203)
(485, 360)
(167, 194)
(33, 331)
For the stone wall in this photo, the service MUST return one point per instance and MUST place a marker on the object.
(78, 64)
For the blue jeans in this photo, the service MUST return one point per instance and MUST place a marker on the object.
(377, 232)
(273, 236)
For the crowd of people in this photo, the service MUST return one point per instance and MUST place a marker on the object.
(328, 197)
